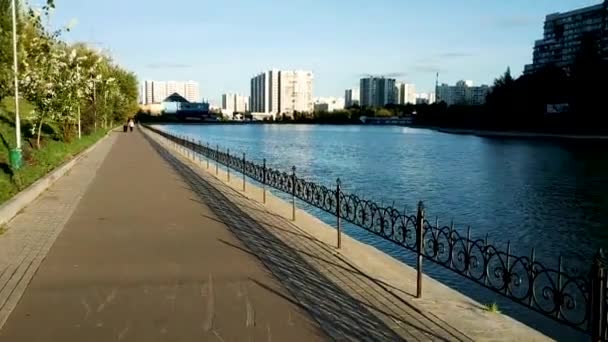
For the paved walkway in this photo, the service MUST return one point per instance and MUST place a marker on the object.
(141, 260)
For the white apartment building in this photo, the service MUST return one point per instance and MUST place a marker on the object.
(157, 91)
(425, 98)
(462, 93)
(154, 92)
(278, 92)
(192, 91)
(405, 93)
(351, 97)
(234, 103)
(296, 92)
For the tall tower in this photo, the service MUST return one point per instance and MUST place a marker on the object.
(437, 87)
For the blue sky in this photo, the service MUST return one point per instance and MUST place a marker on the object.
(222, 43)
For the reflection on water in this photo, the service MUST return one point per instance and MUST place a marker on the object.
(551, 195)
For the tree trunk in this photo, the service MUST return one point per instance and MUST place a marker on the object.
(38, 134)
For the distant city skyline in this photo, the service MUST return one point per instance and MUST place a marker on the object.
(460, 40)
(154, 91)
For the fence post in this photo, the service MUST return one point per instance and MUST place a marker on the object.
(598, 297)
(420, 247)
(338, 183)
(293, 193)
(186, 144)
(200, 150)
(207, 155)
(243, 170)
(192, 149)
(264, 182)
(228, 166)
(217, 160)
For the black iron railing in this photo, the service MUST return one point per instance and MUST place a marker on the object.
(569, 297)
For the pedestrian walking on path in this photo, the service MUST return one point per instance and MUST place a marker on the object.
(131, 124)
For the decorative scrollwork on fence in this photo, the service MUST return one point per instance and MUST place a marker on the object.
(279, 180)
(552, 292)
(316, 195)
(387, 222)
(254, 171)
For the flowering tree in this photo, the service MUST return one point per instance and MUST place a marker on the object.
(70, 93)
(60, 79)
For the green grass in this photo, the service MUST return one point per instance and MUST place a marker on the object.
(493, 308)
(37, 163)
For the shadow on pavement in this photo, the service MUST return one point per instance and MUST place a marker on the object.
(340, 315)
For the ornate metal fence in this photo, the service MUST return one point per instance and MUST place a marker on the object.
(568, 297)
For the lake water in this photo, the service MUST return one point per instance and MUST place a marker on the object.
(551, 195)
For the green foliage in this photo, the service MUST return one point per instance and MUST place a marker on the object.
(383, 112)
(56, 82)
(61, 80)
(38, 162)
(6, 49)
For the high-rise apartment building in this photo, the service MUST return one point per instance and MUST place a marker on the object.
(563, 33)
(264, 98)
(295, 92)
(158, 91)
(154, 92)
(277, 92)
(192, 91)
(377, 91)
(234, 103)
(405, 93)
(463, 93)
(351, 97)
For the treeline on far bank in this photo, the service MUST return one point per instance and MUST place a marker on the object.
(519, 104)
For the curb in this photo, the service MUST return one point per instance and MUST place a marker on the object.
(13, 206)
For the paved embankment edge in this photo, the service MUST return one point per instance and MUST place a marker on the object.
(21, 200)
(439, 300)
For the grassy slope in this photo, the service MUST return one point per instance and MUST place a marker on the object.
(37, 163)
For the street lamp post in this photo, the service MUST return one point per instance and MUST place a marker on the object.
(79, 96)
(15, 154)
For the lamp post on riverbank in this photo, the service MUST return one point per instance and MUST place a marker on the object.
(15, 154)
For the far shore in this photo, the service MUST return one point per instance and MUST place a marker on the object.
(462, 131)
(518, 134)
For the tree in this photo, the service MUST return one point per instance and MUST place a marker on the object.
(382, 112)
(43, 65)
(6, 51)
(59, 80)
(588, 75)
(504, 81)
